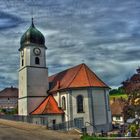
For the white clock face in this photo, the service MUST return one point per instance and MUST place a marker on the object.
(37, 51)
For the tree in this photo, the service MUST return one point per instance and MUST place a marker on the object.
(132, 88)
(120, 90)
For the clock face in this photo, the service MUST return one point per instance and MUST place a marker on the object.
(37, 51)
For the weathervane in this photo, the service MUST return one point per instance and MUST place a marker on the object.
(32, 12)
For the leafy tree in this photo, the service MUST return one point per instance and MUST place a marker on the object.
(120, 90)
(132, 88)
(113, 91)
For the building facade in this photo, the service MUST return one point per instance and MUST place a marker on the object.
(83, 97)
(75, 94)
(9, 98)
(117, 109)
(33, 73)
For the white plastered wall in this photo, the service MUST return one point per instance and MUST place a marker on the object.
(33, 80)
(37, 81)
(99, 107)
(75, 93)
(115, 119)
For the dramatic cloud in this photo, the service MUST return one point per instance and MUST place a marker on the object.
(103, 34)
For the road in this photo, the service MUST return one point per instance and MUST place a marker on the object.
(10, 130)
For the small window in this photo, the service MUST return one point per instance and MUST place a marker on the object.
(80, 104)
(118, 117)
(22, 63)
(37, 61)
(63, 103)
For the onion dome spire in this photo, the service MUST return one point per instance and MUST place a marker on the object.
(32, 37)
(32, 22)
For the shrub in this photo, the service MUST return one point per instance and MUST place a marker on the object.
(133, 128)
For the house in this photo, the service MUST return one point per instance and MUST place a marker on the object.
(117, 107)
(9, 98)
(133, 121)
(74, 95)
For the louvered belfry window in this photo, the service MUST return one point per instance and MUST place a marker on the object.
(37, 61)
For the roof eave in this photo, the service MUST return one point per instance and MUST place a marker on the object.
(70, 88)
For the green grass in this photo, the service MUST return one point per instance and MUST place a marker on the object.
(92, 138)
(118, 96)
(86, 137)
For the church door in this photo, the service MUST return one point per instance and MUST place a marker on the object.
(79, 122)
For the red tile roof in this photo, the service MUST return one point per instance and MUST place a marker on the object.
(75, 77)
(9, 93)
(48, 106)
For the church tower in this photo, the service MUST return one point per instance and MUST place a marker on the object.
(33, 73)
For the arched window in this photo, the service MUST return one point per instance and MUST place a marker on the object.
(22, 63)
(63, 103)
(37, 61)
(80, 104)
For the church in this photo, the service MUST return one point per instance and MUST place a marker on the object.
(75, 94)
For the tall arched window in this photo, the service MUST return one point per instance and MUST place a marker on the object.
(80, 104)
(63, 103)
(37, 61)
(22, 62)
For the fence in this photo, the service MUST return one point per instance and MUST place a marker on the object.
(43, 121)
(28, 119)
(65, 125)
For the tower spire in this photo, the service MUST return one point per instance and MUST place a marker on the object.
(32, 22)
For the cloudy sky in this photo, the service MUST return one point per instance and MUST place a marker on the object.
(104, 34)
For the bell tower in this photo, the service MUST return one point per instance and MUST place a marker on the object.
(33, 73)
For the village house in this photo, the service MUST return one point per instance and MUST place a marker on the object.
(9, 98)
(117, 106)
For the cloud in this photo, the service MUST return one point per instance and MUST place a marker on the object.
(104, 34)
(8, 21)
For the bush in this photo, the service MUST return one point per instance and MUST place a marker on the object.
(133, 128)
(9, 112)
(3, 110)
(113, 135)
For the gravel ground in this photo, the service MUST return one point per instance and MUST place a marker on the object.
(11, 130)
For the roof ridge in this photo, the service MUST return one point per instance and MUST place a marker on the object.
(87, 74)
(39, 105)
(66, 70)
(47, 104)
(97, 77)
(75, 74)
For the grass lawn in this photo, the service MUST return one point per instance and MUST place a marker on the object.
(92, 138)
(118, 96)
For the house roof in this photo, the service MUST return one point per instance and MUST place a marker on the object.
(117, 107)
(131, 120)
(9, 93)
(48, 106)
(75, 77)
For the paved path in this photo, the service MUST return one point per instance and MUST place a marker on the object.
(10, 130)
